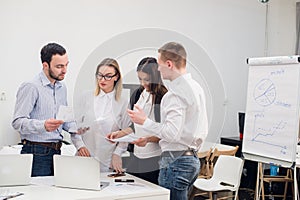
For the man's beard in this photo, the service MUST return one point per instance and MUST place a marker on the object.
(52, 75)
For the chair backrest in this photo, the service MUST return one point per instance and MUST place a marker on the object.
(217, 152)
(212, 158)
(228, 169)
(205, 171)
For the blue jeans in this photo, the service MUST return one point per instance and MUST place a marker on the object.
(178, 175)
(42, 159)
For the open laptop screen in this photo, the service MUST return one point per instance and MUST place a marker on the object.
(15, 169)
(77, 172)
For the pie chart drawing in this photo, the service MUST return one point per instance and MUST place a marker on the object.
(265, 92)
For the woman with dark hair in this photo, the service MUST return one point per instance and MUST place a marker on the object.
(144, 162)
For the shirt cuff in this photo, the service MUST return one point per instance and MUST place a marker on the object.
(71, 126)
(41, 126)
(147, 123)
(120, 150)
(77, 141)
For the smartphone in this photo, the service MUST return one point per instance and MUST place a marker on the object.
(124, 180)
(113, 175)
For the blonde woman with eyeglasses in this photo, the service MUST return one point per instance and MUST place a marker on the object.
(105, 111)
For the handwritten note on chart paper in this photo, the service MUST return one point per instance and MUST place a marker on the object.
(272, 111)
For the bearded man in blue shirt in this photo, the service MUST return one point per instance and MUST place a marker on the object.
(37, 104)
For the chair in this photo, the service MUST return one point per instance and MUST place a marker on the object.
(287, 178)
(207, 167)
(211, 160)
(206, 170)
(226, 177)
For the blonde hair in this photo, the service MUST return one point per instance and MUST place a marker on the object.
(175, 52)
(118, 84)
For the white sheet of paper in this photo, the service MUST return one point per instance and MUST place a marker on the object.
(127, 138)
(42, 180)
(127, 188)
(65, 113)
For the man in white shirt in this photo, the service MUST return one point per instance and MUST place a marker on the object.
(183, 127)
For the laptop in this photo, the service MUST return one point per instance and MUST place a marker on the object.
(77, 172)
(15, 169)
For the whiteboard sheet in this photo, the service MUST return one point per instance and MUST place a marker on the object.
(272, 113)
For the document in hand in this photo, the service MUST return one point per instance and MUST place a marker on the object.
(65, 113)
(128, 138)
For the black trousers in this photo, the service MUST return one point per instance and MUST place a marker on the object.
(147, 169)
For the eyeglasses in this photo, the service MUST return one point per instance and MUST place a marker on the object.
(106, 77)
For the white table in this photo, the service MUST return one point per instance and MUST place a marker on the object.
(68, 150)
(42, 188)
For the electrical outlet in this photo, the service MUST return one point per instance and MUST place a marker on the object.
(2, 96)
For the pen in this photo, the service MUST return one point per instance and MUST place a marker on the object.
(12, 196)
(130, 184)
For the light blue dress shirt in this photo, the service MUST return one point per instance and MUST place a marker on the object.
(37, 101)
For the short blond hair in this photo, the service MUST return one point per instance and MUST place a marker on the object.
(118, 84)
(175, 52)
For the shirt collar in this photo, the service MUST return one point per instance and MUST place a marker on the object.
(109, 95)
(179, 79)
(182, 87)
(45, 80)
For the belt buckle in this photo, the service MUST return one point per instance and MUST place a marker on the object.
(59, 144)
(56, 146)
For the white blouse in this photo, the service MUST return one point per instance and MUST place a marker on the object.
(103, 114)
(151, 149)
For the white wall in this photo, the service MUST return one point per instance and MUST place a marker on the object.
(227, 32)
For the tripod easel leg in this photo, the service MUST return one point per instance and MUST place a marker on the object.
(296, 193)
(259, 183)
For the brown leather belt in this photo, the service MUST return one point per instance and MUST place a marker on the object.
(179, 153)
(53, 145)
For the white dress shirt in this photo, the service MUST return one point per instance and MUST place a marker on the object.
(184, 121)
(103, 114)
(151, 149)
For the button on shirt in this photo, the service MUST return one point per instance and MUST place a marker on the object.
(184, 121)
(36, 102)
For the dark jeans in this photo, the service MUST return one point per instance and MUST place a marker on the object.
(178, 174)
(42, 159)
